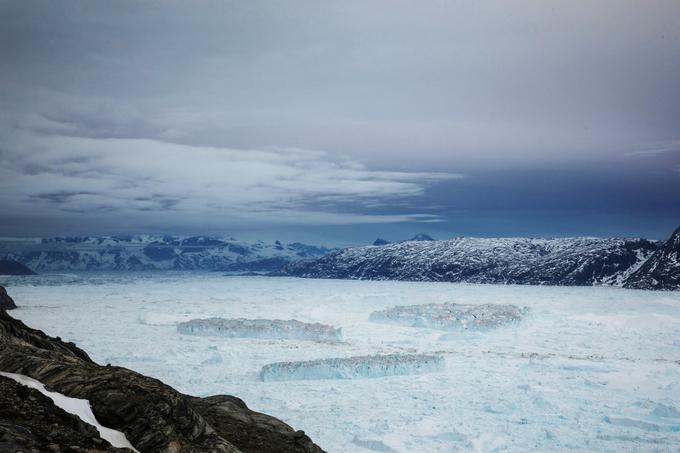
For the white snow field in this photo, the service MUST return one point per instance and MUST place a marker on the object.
(272, 329)
(586, 369)
(76, 406)
(451, 316)
(367, 366)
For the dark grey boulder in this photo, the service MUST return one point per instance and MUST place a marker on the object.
(6, 302)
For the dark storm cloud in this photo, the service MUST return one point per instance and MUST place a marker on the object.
(334, 112)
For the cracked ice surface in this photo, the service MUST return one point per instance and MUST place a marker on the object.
(451, 316)
(371, 366)
(260, 328)
(590, 369)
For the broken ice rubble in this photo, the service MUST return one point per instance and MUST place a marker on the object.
(260, 328)
(370, 366)
(450, 316)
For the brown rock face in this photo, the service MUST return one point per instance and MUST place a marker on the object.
(153, 416)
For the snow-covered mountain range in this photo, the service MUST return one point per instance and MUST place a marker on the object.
(153, 253)
(633, 263)
(563, 261)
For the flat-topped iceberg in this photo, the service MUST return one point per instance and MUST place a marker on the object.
(450, 316)
(260, 328)
(370, 366)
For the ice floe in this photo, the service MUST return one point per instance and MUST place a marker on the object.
(370, 366)
(260, 328)
(450, 316)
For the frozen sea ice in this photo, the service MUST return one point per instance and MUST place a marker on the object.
(260, 328)
(450, 316)
(371, 366)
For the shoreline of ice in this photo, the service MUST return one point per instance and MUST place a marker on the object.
(271, 329)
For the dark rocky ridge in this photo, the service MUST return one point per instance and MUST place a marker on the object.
(661, 270)
(631, 263)
(6, 302)
(153, 416)
(12, 267)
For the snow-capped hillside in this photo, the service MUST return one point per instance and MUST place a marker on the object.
(565, 261)
(661, 270)
(153, 253)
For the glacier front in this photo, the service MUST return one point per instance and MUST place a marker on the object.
(450, 316)
(290, 329)
(369, 366)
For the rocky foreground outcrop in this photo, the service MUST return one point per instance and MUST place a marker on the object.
(153, 416)
(30, 422)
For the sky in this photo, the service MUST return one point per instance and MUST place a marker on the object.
(339, 122)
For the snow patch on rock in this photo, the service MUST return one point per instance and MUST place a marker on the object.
(78, 407)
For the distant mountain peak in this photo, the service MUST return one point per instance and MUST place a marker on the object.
(422, 237)
(12, 267)
(380, 241)
(662, 269)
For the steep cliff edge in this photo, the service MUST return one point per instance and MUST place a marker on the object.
(6, 302)
(661, 270)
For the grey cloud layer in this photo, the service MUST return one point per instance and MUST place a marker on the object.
(474, 81)
(153, 181)
(202, 113)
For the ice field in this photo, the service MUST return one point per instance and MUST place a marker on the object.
(585, 368)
